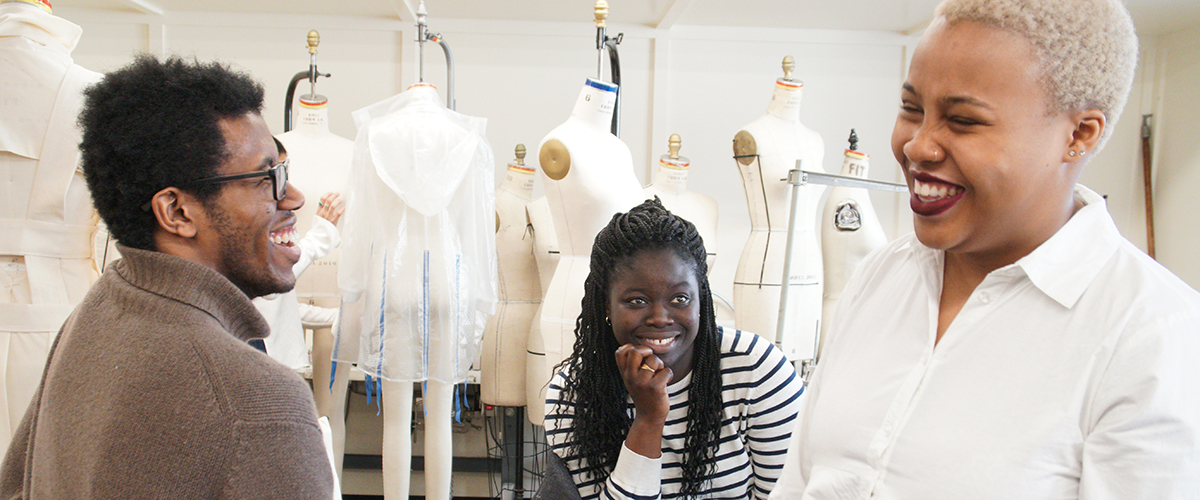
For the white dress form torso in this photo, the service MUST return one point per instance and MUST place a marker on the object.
(779, 139)
(519, 292)
(47, 257)
(670, 186)
(545, 240)
(545, 252)
(319, 162)
(588, 177)
(850, 230)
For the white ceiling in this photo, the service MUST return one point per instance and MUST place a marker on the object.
(1152, 17)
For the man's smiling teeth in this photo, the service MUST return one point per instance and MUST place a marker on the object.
(933, 191)
(284, 237)
(660, 341)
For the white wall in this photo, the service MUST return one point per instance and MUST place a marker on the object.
(1177, 155)
(700, 82)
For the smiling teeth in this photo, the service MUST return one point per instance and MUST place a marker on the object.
(660, 341)
(284, 237)
(932, 191)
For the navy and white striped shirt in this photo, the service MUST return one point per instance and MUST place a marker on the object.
(761, 395)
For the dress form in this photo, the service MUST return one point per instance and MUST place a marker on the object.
(670, 186)
(545, 252)
(519, 292)
(588, 175)
(320, 163)
(779, 139)
(47, 258)
(418, 277)
(850, 230)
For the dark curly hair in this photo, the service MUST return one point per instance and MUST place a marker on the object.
(151, 125)
(602, 416)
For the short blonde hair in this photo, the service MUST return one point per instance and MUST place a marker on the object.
(1087, 49)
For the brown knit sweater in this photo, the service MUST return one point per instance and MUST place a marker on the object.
(151, 392)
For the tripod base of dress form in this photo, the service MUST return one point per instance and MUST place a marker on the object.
(397, 439)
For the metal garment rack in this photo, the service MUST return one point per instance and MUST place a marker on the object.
(798, 178)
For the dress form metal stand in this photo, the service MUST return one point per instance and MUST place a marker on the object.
(423, 35)
(603, 43)
(520, 296)
(797, 178)
(311, 75)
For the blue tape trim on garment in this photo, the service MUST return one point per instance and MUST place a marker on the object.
(457, 325)
(382, 328)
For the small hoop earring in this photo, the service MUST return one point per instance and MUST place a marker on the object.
(607, 321)
(935, 155)
(1071, 153)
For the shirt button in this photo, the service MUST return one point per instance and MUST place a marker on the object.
(985, 297)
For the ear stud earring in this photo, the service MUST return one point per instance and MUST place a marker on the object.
(1071, 153)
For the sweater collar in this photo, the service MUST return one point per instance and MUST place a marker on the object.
(194, 284)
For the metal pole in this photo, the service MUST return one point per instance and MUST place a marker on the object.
(449, 71)
(1148, 184)
(797, 178)
(785, 283)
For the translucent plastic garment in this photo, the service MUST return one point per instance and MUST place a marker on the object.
(418, 269)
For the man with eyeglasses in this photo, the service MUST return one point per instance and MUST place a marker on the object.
(151, 390)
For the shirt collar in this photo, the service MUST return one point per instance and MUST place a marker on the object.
(1066, 264)
(29, 21)
(1063, 266)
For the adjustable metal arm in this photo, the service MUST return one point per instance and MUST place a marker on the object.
(797, 178)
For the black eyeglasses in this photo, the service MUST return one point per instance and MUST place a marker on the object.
(278, 175)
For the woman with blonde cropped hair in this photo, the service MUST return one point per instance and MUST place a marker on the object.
(1014, 346)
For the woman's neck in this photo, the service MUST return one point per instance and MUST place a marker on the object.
(518, 180)
(785, 102)
(312, 117)
(595, 104)
(672, 175)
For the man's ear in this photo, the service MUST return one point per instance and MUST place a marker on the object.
(1089, 126)
(176, 211)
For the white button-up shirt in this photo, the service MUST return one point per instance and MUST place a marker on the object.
(1072, 373)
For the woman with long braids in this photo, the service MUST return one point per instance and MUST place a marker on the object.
(657, 401)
